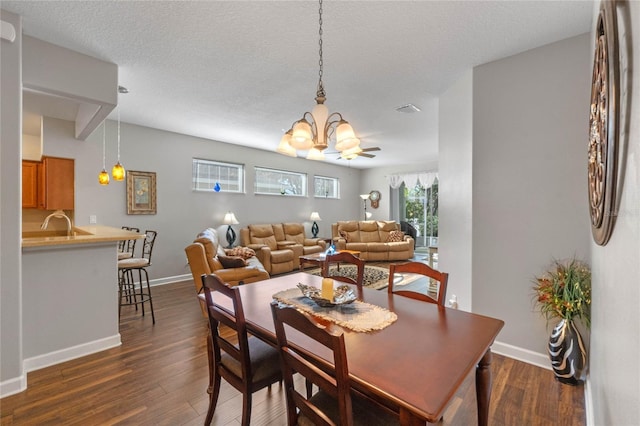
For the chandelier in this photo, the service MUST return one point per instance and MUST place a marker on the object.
(314, 130)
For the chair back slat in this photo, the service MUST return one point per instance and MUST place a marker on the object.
(421, 269)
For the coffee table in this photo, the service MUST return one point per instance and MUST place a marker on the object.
(319, 259)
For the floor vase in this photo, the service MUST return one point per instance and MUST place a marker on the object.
(567, 353)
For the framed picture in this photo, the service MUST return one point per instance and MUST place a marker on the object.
(141, 192)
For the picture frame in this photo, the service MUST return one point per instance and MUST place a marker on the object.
(141, 192)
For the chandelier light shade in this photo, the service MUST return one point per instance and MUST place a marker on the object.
(118, 171)
(230, 219)
(103, 176)
(316, 128)
(315, 217)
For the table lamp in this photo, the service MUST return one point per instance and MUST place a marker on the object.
(314, 228)
(230, 219)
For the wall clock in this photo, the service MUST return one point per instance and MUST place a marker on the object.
(604, 125)
(374, 198)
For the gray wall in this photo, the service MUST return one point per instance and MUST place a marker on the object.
(455, 188)
(11, 373)
(615, 333)
(182, 213)
(530, 116)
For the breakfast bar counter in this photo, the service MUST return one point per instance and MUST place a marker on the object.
(70, 293)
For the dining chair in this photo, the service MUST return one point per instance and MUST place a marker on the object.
(421, 269)
(249, 365)
(335, 403)
(344, 257)
(128, 295)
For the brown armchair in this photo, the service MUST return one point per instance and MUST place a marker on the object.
(203, 259)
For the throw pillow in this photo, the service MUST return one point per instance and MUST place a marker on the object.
(243, 252)
(232, 262)
(344, 235)
(395, 237)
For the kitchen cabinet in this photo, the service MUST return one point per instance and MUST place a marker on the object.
(56, 183)
(30, 184)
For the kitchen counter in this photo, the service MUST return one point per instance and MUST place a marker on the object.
(79, 235)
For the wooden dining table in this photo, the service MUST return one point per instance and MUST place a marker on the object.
(415, 365)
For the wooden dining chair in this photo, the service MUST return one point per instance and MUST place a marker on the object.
(344, 257)
(335, 403)
(249, 365)
(421, 269)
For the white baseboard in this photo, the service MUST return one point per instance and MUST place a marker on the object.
(67, 354)
(524, 355)
(170, 280)
(13, 386)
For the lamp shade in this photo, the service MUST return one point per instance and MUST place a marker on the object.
(103, 177)
(315, 154)
(351, 153)
(315, 216)
(285, 145)
(302, 136)
(230, 219)
(364, 196)
(345, 137)
(118, 172)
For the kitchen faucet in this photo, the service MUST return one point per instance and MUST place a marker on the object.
(59, 214)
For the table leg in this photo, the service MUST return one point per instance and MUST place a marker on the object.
(483, 388)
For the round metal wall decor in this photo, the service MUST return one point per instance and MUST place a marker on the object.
(604, 125)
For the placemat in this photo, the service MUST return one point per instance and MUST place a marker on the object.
(357, 316)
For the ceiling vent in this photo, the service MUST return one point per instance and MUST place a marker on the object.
(408, 108)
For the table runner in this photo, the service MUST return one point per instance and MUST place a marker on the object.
(357, 316)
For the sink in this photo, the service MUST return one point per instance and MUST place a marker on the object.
(48, 234)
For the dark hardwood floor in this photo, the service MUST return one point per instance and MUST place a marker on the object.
(159, 377)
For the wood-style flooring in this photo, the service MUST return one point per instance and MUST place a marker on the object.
(159, 377)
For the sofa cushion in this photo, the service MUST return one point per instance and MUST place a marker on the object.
(243, 252)
(294, 232)
(385, 227)
(351, 229)
(369, 232)
(281, 256)
(395, 236)
(399, 246)
(344, 234)
(278, 232)
(263, 234)
(377, 247)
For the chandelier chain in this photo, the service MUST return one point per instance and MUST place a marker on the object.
(104, 151)
(118, 134)
(320, 60)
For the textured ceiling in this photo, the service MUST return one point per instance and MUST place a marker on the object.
(243, 71)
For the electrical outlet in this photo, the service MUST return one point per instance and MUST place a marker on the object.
(93, 219)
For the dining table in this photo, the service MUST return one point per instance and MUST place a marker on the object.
(414, 365)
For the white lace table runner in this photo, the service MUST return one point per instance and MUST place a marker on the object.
(357, 316)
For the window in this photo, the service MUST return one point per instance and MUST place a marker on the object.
(271, 181)
(217, 176)
(420, 207)
(326, 187)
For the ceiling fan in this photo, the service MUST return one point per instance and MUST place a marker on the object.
(361, 153)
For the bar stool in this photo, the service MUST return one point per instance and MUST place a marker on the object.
(127, 285)
(126, 248)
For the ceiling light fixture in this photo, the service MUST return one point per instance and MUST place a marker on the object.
(103, 176)
(314, 130)
(118, 171)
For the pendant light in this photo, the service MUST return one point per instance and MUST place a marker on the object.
(118, 171)
(314, 130)
(103, 176)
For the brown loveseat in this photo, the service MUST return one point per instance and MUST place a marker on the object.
(280, 245)
(203, 259)
(375, 240)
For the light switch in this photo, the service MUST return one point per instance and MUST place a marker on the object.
(93, 219)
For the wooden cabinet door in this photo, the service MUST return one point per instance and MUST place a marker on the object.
(57, 184)
(29, 184)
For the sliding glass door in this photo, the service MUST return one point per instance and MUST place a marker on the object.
(418, 206)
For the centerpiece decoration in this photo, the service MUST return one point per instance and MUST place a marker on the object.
(564, 292)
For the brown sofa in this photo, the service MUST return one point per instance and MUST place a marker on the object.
(373, 239)
(203, 254)
(280, 245)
